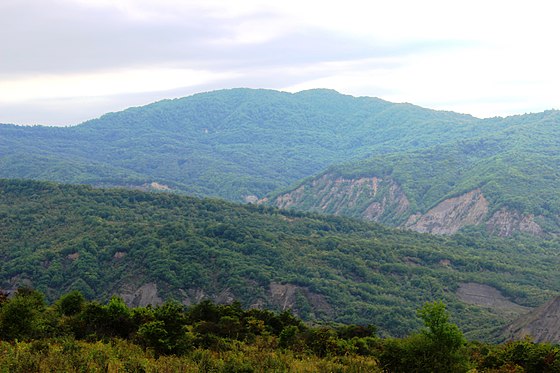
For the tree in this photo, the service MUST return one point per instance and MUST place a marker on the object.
(20, 317)
(445, 336)
(437, 348)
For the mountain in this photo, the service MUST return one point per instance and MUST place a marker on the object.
(238, 144)
(148, 247)
(399, 164)
(541, 325)
(504, 182)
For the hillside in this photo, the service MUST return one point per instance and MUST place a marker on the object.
(504, 182)
(153, 246)
(237, 144)
(541, 325)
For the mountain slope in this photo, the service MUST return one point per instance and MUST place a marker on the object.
(152, 246)
(541, 325)
(236, 144)
(505, 181)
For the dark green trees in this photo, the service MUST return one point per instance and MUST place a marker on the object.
(437, 348)
(22, 317)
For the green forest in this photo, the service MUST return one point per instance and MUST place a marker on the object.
(229, 143)
(59, 238)
(76, 335)
(143, 206)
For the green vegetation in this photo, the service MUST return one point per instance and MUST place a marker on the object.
(228, 144)
(515, 168)
(243, 144)
(75, 335)
(102, 242)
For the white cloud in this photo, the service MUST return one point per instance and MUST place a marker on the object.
(481, 57)
(104, 83)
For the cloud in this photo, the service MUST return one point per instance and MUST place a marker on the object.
(441, 54)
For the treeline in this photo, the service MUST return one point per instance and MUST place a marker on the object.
(74, 334)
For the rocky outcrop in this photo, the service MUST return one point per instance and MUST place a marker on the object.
(283, 295)
(506, 222)
(542, 324)
(451, 214)
(383, 200)
(289, 296)
(144, 295)
(369, 198)
(291, 199)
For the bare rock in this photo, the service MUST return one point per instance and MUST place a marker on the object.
(452, 214)
(506, 222)
(369, 198)
(542, 324)
(141, 297)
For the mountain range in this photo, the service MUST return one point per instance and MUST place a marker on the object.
(318, 150)
(313, 154)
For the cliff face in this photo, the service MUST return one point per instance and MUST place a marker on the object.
(505, 222)
(383, 200)
(451, 214)
(369, 198)
(542, 324)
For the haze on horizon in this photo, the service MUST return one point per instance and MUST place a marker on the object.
(66, 61)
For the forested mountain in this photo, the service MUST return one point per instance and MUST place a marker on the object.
(398, 164)
(506, 182)
(236, 144)
(148, 247)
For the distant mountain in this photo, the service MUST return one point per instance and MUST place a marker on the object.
(505, 182)
(148, 247)
(398, 164)
(238, 144)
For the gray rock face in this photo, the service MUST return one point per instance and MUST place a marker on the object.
(542, 324)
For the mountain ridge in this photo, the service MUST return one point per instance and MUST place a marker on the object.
(149, 246)
(229, 144)
(245, 145)
(515, 171)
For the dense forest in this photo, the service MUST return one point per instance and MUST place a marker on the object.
(516, 169)
(244, 145)
(250, 287)
(75, 335)
(101, 242)
(231, 143)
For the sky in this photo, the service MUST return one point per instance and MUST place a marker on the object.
(66, 61)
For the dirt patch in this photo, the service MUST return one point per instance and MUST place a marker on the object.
(489, 297)
(285, 296)
(157, 186)
(73, 257)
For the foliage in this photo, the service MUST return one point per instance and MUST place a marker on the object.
(288, 347)
(229, 143)
(21, 317)
(101, 242)
(515, 167)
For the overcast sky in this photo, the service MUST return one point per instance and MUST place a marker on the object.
(65, 61)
